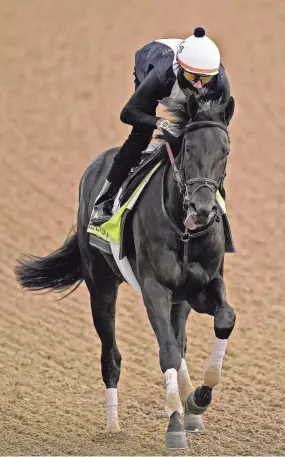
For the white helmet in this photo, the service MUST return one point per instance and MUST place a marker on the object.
(199, 54)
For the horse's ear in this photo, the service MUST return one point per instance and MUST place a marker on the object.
(229, 110)
(192, 106)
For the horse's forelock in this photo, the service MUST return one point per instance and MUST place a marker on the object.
(210, 110)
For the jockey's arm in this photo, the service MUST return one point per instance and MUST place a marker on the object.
(140, 109)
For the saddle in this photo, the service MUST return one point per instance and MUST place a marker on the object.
(152, 156)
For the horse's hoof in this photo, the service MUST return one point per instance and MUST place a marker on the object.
(192, 407)
(193, 423)
(175, 437)
(176, 440)
(113, 428)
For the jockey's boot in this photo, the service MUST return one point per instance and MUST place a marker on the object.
(126, 158)
(102, 210)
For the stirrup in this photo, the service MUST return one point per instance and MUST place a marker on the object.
(100, 213)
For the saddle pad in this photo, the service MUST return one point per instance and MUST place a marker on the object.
(112, 228)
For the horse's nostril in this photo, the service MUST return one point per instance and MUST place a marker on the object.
(214, 208)
(193, 206)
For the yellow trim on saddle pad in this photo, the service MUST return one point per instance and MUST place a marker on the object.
(112, 227)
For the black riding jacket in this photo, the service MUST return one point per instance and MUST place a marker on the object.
(156, 73)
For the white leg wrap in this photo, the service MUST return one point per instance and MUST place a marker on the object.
(212, 374)
(184, 382)
(172, 401)
(112, 410)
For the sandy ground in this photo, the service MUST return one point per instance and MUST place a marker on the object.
(66, 72)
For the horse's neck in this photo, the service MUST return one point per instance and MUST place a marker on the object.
(173, 201)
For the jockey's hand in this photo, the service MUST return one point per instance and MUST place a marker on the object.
(165, 125)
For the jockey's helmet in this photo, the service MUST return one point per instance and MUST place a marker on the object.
(199, 55)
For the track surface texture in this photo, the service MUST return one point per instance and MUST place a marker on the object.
(66, 72)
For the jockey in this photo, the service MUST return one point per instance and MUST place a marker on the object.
(164, 71)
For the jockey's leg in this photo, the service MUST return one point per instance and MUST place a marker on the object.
(127, 157)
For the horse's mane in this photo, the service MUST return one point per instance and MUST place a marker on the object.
(208, 111)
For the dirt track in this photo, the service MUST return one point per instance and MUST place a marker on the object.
(66, 71)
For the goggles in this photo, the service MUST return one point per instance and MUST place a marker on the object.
(193, 77)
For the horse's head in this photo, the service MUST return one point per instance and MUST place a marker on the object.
(202, 158)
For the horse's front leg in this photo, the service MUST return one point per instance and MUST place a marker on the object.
(214, 299)
(158, 301)
(179, 314)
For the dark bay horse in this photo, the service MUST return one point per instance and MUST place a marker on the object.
(176, 251)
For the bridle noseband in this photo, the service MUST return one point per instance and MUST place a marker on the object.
(204, 182)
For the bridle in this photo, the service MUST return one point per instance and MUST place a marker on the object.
(187, 197)
(179, 174)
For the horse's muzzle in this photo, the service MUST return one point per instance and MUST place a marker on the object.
(195, 219)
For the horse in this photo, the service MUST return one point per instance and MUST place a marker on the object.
(176, 251)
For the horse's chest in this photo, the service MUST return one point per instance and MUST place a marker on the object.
(197, 275)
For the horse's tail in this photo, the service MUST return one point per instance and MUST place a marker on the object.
(57, 272)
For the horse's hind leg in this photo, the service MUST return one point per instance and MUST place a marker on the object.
(103, 293)
(214, 298)
(179, 314)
